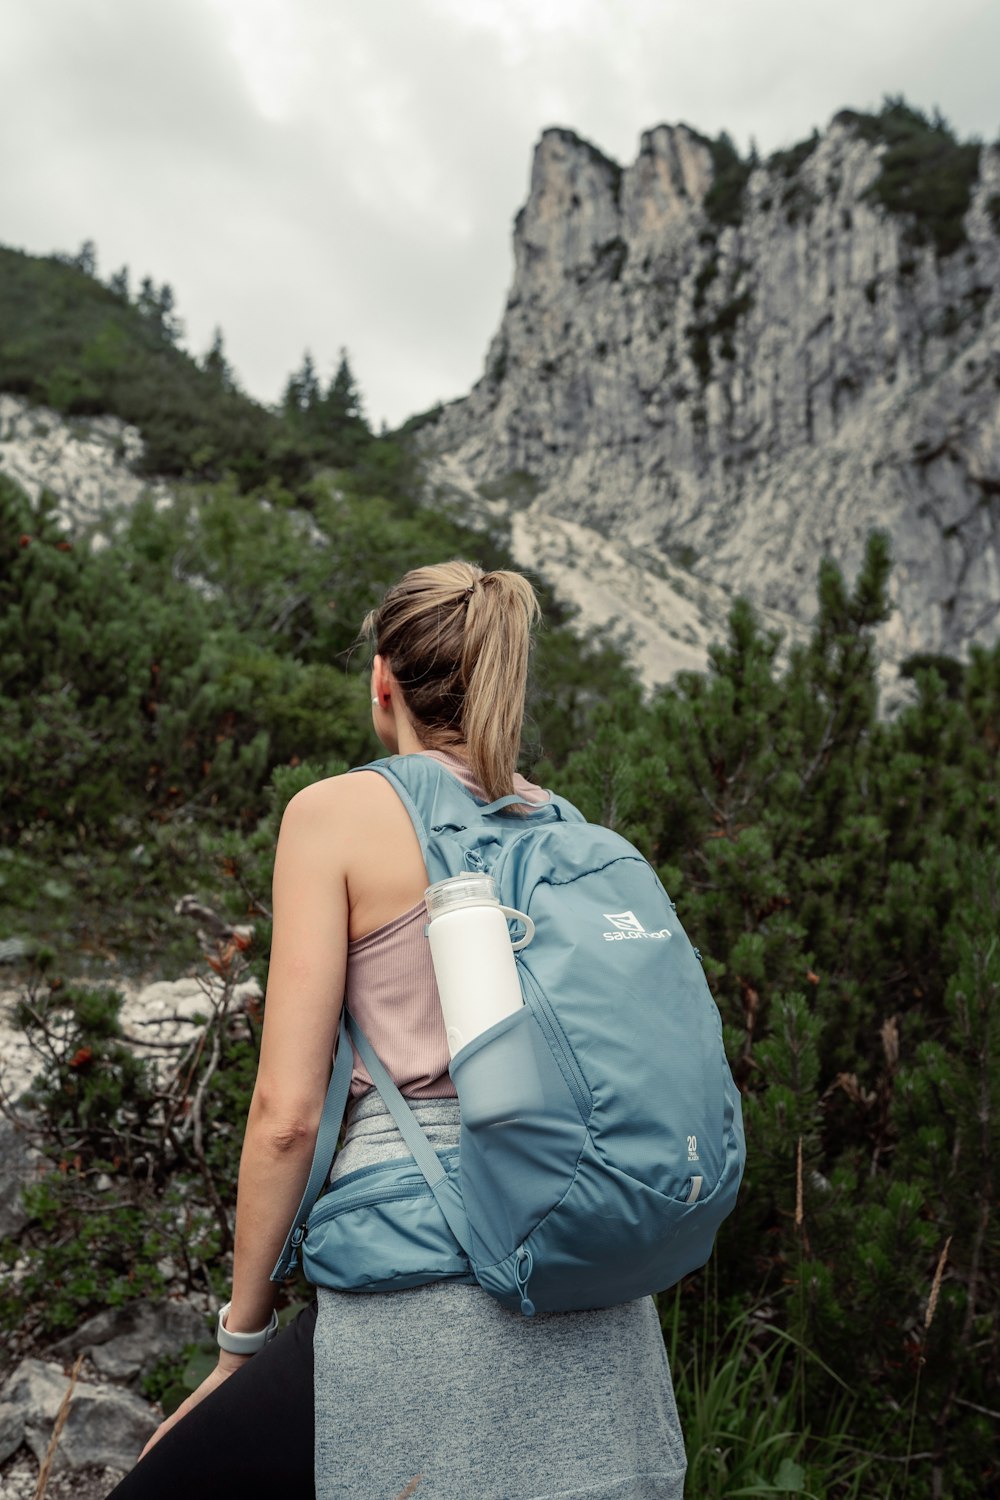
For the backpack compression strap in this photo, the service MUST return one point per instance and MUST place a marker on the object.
(423, 1153)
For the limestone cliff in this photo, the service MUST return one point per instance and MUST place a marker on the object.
(692, 396)
(84, 464)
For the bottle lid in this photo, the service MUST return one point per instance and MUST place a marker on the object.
(458, 891)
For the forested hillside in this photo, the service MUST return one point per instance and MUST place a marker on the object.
(162, 696)
(151, 688)
(81, 347)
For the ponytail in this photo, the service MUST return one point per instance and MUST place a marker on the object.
(501, 613)
(458, 641)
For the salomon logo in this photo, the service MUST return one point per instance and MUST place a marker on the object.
(627, 925)
(625, 921)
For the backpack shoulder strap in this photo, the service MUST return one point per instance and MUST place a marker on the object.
(437, 802)
(429, 795)
(421, 1149)
(324, 1151)
(328, 1135)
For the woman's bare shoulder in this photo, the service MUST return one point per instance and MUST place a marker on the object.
(342, 800)
(354, 827)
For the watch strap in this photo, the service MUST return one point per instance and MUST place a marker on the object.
(243, 1343)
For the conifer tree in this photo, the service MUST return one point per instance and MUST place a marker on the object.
(156, 306)
(302, 391)
(216, 365)
(147, 301)
(85, 259)
(170, 324)
(118, 283)
(338, 424)
(342, 401)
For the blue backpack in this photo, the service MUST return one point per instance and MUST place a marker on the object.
(601, 1140)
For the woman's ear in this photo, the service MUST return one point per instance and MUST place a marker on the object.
(382, 682)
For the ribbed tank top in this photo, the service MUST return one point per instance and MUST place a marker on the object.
(391, 990)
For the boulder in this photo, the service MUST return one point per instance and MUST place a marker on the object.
(13, 950)
(105, 1426)
(11, 1429)
(123, 1343)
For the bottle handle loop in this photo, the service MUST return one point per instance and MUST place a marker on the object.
(529, 927)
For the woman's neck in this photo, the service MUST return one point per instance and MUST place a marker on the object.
(409, 743)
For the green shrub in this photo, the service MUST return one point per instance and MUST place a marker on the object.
(730, 174)
(926, 173)
(788, 162)
(840, 873)
(136, 1190)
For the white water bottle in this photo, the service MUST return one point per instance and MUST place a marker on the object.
(473, 955)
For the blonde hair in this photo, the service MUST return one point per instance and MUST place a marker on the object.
(458, 641)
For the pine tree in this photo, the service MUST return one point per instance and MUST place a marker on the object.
(170, 324)
(157, 306)
(342, 401)
(148, 302)
(85, 259)
(118, 283)
(216, 365)
(339, 428)
(302, 392)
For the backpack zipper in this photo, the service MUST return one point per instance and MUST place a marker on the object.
(523, 1267)
(557, 1041)
(335, 1202)
(329, 1207)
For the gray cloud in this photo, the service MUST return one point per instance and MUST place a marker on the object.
(314, 174)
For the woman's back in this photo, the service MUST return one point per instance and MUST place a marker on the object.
(390, 988)
(440, 1381)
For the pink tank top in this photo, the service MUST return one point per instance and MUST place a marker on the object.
(391, 990)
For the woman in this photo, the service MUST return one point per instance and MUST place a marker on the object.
(436, 1391)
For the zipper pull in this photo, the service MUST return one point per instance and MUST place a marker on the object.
(522, 1274)
(298, 1235)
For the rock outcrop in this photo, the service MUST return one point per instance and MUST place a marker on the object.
(105, 1426)
(19, 1162)
(85, 464)
(124, 1343)
(106, 1421)
(682, 405)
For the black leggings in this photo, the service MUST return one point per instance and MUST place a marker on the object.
(251, 1437)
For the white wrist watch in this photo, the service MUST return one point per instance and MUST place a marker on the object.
(243, 1343)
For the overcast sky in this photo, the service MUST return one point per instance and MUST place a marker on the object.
(318, 173)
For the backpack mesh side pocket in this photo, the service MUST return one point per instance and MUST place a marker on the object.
(522, 1133)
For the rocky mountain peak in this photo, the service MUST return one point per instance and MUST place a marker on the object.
(711, 370)
(671, 176)
(572, 210)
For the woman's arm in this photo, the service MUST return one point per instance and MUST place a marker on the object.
(305, 990)
(301, 1014)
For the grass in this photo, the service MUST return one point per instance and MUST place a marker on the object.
(740, 1398)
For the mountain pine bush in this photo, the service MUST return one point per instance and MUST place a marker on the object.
(841, 876)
